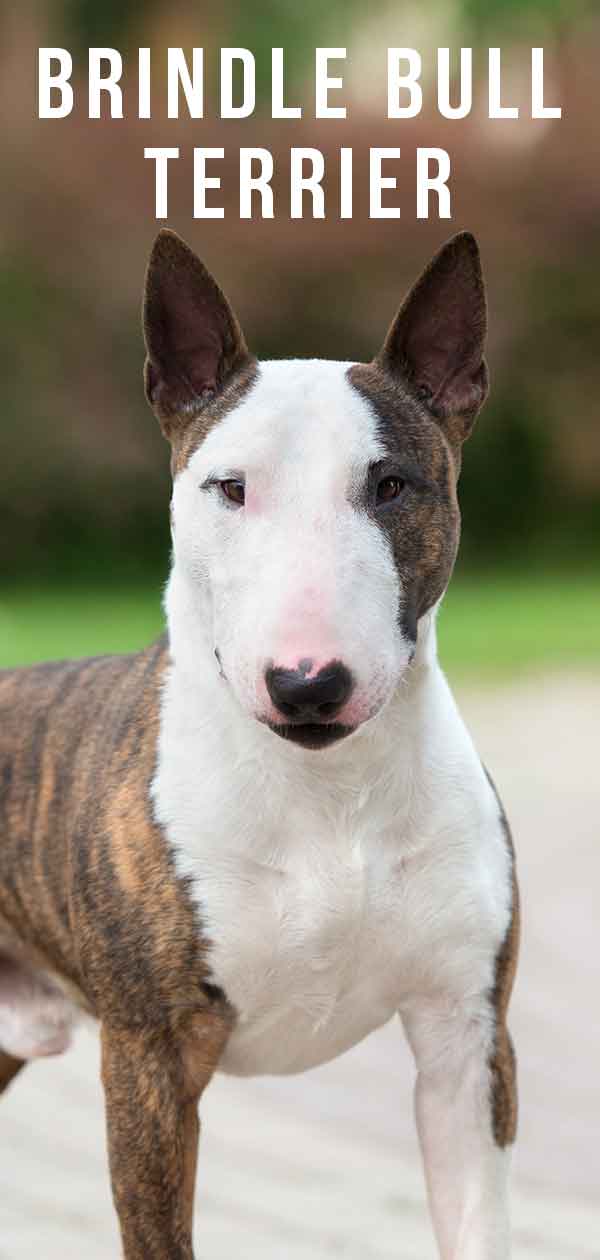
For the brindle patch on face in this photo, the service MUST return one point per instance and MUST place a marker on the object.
(188, 435)
(424, 527)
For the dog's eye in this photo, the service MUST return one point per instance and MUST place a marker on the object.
(235, 491)
(389, 489)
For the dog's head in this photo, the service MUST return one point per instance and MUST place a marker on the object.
(314, 512)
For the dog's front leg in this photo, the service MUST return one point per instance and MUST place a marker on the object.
(465, 1103)
(152, 1084)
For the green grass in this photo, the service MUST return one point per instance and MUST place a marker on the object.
(509, 625)
(487, 627)
(48, 624)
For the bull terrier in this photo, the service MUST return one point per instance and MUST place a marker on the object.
(257, 840)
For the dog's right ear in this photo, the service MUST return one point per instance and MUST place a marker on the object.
(194, 343)
(436, 342)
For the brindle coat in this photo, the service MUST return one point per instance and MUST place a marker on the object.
(87, 891)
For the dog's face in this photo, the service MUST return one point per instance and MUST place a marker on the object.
(314, 508)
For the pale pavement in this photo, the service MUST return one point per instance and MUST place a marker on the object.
(326, 1164)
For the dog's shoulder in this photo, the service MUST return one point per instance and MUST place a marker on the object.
(77, 755)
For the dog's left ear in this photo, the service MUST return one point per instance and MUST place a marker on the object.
(436, 341)
(193, 340)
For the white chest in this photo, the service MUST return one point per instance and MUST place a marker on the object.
(330, 899)
(305, 944)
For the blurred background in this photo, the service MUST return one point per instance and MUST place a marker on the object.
(84, 481)
(83, 469)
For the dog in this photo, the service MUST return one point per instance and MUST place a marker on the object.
(251, 844)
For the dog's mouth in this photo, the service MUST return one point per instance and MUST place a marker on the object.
(313, 735)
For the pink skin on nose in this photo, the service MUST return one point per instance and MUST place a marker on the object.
(306, 644)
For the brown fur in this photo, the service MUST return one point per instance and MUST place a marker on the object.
(435, 343)
(187, 439)
(424, 530)
(426, 386)
(152, 1086)
(194, 342)
(198, 367)
(88, 890)
(9, 1068)
(503, 1064)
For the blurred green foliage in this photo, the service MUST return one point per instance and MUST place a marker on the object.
(518, 18)
(84, 482)
(70, 504)
(65, 506)
(301, 28)
(519, 502)
(297, 28)
(101, 23)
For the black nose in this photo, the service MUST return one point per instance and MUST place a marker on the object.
(303, 699)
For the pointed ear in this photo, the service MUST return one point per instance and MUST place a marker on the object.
(194, 343)
(437, 340)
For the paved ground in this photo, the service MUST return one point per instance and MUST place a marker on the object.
(326, 1164)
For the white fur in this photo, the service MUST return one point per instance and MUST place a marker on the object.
(337, 887)
(36, 1017)
(341, 886)
(299, 573)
